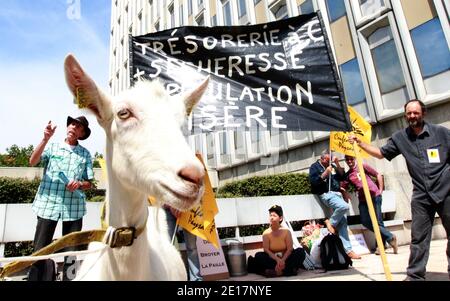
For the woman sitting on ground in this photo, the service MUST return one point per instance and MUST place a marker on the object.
(279, 257)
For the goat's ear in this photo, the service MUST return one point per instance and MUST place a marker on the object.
(85, 91)
(191, 99)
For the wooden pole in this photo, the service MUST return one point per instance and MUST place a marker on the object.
(373, 217)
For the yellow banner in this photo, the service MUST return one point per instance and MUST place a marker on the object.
(360, 128)
(200, 219)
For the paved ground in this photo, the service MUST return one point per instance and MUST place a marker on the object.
(370, 268)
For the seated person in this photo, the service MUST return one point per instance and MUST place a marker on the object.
(279, 257)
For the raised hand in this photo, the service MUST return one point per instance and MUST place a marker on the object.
(49, 130)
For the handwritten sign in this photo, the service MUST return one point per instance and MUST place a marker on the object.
(213, 265)
(359, 244)
(276, 76)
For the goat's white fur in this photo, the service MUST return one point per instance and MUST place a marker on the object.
(145, 152)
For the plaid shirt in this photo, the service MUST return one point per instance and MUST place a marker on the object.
(53, 201)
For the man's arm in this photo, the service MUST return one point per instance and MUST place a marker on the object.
(371, 150)
(37, 153)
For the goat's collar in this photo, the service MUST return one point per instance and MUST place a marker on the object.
(123, 236)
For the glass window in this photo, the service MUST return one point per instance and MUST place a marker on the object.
(431, 48)
(181, 15)
(256, 133)
(370, 7)
(352, 82)
(306, 7)
(189, 7)
(227, 13)
(281, 12)
(172, 16)
(200, 20)
(336, 9)
(386, 60)
(214, 20)
(210, 146)
(256, 1)
(242, 8)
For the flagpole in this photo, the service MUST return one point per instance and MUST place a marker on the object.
(174, 232)
(329, 179)
(373, 217)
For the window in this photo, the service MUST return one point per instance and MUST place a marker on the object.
(352, 82)
(387, 70)
(354, 87)
(242, 8)
(279, 11)
(255, 137)
(306, 7)
(256, 1)
(225, 157)
(214, 20)
(386, 60)
(181, 15)
(336, 9)
(239, 145)
(210, 148)
(366, 10)
(200, 20)
(226, 9)
(189, 7)
(432, 53)
(199, 5)
(172, 16)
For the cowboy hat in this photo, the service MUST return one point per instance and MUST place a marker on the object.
(84, 122)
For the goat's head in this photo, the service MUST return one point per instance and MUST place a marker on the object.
(145, 143)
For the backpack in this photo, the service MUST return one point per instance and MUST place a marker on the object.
(332, 253)
(42, 270)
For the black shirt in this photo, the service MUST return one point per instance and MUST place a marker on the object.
(428, 177)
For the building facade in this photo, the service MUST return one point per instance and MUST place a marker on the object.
(387, 51)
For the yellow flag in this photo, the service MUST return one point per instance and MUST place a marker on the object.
(360, 128)
(200, 219)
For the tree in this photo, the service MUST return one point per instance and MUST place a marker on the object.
(16, 156)
(95, 162)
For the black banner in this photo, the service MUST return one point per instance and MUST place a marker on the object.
(274, 76)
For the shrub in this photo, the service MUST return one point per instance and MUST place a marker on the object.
(288, 184)
(21, 190)
(17, 190)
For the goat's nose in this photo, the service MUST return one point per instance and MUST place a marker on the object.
(192, 174)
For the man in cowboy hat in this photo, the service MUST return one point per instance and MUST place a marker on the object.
(67, 172)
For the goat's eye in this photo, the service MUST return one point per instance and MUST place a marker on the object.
(124, 114)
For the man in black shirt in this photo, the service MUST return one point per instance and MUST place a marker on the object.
(426, 148)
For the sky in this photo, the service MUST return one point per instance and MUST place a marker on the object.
(35, 37)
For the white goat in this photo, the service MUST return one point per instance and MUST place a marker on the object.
(146, 154)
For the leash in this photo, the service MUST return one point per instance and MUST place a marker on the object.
(112, 237)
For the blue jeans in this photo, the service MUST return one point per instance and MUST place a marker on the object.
(338, 219)
(190, 241)
(386, 235)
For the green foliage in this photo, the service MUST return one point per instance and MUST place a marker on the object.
(17, 190)
(16, 156)
(287, 184)
(20, 190)
(97, 198)
(95, 162)
(20, 248)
